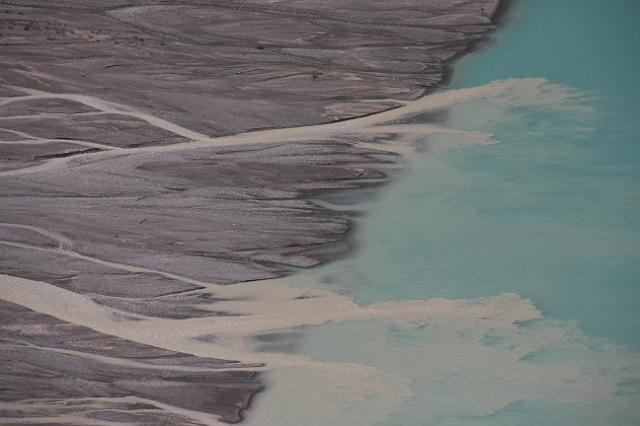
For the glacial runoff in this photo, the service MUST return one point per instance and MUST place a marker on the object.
(495, 281)
(521, 223)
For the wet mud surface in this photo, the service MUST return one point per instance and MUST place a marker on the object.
(121, 180)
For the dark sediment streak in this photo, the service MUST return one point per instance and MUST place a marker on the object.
(218, 214)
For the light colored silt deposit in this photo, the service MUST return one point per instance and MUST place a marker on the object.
(159, 166)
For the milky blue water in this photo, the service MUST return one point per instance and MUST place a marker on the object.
(551, 212)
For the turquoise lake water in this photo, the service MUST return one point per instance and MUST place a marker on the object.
(547, 213)
(550, 212)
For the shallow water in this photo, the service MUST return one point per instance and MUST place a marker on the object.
(552, 211)
(535, 195)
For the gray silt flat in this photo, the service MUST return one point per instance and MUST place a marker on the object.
(218, 214)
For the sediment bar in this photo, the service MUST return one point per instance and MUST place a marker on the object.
(153, 156)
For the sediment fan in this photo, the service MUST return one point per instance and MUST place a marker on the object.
(140, 181)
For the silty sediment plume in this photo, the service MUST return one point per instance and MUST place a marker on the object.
(95, 201)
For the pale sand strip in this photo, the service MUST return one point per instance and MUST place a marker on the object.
(272, 305)
(266, 306)
(96, 404)
(527, 91)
